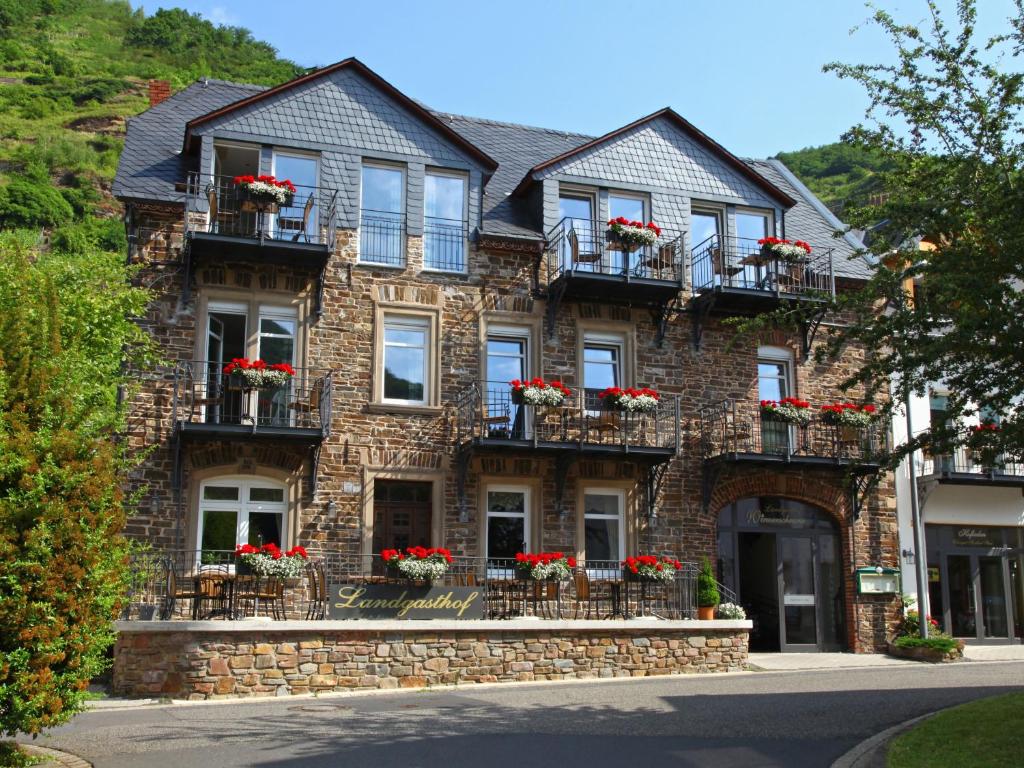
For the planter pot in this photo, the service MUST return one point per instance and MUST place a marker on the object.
(706, 612)
(242, 568)
(931, 655)
(147, 612)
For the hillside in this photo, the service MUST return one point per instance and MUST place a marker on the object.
(70, 72)
(837, 173)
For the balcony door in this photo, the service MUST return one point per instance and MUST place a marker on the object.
(621, 260)
(580, 247)
(292, 221)
(226, 339)
(508, 351)
(751, 227)
(229, 161)
(710, 262)
(774, 383)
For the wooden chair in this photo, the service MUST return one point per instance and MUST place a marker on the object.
(590, 596)
(217, 216)
(265, 593)
(304, 226)
(579, 256)
(664, 260)
(310, 405)
(212, 587)
(489, 420)
(315, 608)
(602, 422)
(720, 267)
(178, 589)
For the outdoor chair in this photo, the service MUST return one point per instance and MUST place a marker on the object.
(720, 266)
(314, 611)
(178, 589)
(591, 596)
(307, 212)
(213, 590)
(602, 424)
(307, 406)
(254, 592)
(218, 217)
(587, 255)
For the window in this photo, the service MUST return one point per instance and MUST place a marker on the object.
(406, 359)
(751, 227)
(772, 379)
(602, 362)
(581, 246)
(508, 522)
(705, 227)
(276, 345)
(507, 359)
(708, 259)
(382, 217)
(774, 383)
(235, 511)
(444, 222)
(633, 208)
(300, 170)
(603, 534)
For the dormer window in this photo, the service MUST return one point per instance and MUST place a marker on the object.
(382, 215)
(444, 221)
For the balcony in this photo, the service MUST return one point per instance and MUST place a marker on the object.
(733, 431)
(969, 467)
(209, 405)
(487, 418)
(584, 261)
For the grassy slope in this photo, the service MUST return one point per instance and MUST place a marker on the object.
(837, 173)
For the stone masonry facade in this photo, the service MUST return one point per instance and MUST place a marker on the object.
(504, 284)
(210, 665)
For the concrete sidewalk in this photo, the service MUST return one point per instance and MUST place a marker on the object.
(791, 662)
(1007, 652)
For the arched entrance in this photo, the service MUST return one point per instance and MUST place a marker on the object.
(782, 558)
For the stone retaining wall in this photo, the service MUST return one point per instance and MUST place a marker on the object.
(207, 660)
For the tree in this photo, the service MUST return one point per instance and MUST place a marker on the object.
(65, 335)
(945, 118)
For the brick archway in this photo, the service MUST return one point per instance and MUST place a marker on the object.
(833, 499)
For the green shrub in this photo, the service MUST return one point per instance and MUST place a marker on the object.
(64, 333)
(707, 586)
(942, 643)
(27, 204)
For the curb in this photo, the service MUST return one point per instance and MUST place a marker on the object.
(871, 752)
(56, 756)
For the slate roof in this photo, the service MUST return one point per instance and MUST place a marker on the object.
(151, 162)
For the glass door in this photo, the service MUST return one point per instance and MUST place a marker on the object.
(963, 607)
(992, 583)
(751, 227)
(580, 249)
(295, 221)
(277, 345)
(621, 260)
(979, 596)
(506, 362)
(799, 627)
(225, 341)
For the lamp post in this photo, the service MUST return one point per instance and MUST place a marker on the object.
(918, 528)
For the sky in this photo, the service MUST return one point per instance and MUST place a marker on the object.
(746, 72)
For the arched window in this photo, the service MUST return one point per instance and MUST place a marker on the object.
(241, 510)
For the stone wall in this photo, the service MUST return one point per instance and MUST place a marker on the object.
(205, 660)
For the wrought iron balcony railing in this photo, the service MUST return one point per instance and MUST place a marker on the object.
(971, 464)
(307, 218)
(444, 244)
(737, 263)
(208, 400)
(737, 430)
(488, 414)
(588, 248)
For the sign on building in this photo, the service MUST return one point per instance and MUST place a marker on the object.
(396, 601)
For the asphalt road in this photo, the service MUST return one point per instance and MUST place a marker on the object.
(756, 719)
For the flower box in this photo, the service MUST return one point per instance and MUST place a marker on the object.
(630, 400)
(632, 234)
(788, 410)
(269, 561)
(651, 568)
(418, 563)
(265, 190)
(544, 566)
(258, 374)
(538, 392)
(850, 418)
(787, 251)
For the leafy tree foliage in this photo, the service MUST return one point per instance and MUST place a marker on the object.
(838, 173)
(65, 334)
(945, 117)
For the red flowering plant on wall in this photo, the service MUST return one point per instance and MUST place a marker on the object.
(848, 415)
(545, 566)
(266, 189)
(268, 560)
(651, 567)
(630, 399)
(633, 233)
(258, 374)
(789, 251)
(789, 410)
(536, 391)
(418, 563)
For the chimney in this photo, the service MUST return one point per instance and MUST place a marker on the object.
(158, 91)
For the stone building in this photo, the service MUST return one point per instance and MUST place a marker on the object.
(427, 259)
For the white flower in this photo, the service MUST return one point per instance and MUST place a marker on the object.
(422, 570)
(731, 611)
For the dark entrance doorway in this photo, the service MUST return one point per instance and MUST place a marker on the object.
(781, 557)
(401, 514)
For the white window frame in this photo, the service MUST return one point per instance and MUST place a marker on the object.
(619, 494)
(527, 491)
(242, 507)
(367, 163)
(464, 178)
(777, 355)
(406, 322)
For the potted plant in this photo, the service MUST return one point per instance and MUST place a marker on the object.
(786, 251)
(265, 190)
(630, 400)
(788, 410)
(707, 592)
(544, 566)
(418, 563)
(981, 441)
(849, 418)
(651, 568)
(258, 374)
(632, 234)
(269, 561)
(731, 611)
(538, 392)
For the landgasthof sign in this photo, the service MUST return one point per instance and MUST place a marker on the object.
(396, 601)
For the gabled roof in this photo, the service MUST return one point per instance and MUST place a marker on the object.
(368, 74)
(686, 127)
